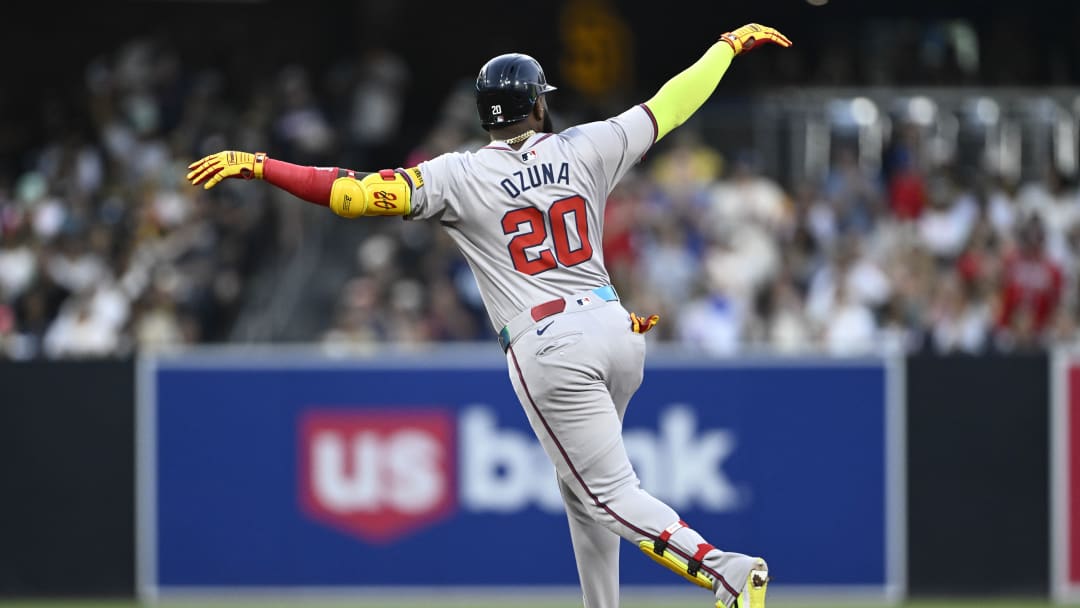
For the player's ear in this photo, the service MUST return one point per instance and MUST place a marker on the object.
(543, 116)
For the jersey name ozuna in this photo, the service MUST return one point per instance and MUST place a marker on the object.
(538, 175)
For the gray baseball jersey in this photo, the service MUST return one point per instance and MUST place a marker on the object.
(529, 222)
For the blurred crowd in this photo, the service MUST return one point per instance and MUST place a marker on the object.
(944, 261)
(948, 260)
(105, 249)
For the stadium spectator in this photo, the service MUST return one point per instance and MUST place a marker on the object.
(849, 326)
(79, 332)
(104, 251)
(1055, 199)
(854, 191)
(788, 330)
(955, 323)
(356, 321)
(907, 190)
(849, 279)
(371, 86)
(712, 322)
(18, 262)
(1031, 289)
(626, 241)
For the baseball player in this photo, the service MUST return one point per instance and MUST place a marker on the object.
(527, 213)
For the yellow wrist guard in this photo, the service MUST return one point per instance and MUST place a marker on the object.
(382, 193)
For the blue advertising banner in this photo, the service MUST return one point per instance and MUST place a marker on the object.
(313, 472)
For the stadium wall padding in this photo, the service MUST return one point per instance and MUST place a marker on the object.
(977, 474)
(321, 473)
(66, 468)
(978, 505)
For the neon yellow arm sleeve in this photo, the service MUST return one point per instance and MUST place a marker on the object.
(681, 96)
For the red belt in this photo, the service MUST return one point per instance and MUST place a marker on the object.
(545, 310)
(552, 307)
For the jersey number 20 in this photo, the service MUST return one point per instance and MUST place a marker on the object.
(561, 225)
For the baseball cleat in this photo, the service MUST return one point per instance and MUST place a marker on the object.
(753, 595)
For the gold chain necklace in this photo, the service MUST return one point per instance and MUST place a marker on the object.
(520, 138)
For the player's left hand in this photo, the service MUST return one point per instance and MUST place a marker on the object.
(640, 324)
(751, 36)
(229, 163)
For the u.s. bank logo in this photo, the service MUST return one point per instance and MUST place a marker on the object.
(379, 474)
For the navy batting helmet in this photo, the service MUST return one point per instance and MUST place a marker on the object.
(507, 88)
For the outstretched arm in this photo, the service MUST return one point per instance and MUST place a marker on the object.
(348, 193)
(681, 96)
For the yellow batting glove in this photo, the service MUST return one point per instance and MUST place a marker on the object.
(640, 324)
(752, 35)
(230, 163)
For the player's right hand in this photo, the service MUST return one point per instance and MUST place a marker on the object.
(751, 36)
(229, 163)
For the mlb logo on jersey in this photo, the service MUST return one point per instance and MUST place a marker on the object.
(584, 301)
(528, 156)
(377, 474)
